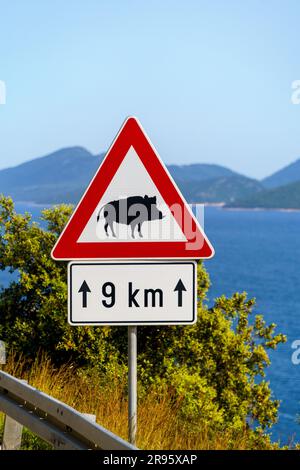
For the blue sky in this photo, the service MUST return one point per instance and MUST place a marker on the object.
(209, 80)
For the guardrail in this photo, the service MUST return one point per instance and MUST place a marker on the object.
(55, 422)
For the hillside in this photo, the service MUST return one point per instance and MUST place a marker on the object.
(63, 176)
(58, 177)
(221, 189)
(287, 175)
(284, 197)
(199, 172)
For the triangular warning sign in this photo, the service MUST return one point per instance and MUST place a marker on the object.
(132, 209)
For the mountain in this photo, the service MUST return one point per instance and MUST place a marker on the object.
(284, 197)
(286, 175)
(62, 176)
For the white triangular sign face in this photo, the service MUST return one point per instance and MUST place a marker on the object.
(131, 180)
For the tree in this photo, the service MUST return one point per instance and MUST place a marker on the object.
(213, 367)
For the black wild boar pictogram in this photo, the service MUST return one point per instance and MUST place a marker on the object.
(133, 211)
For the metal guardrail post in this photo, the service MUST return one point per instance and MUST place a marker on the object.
(12, 434)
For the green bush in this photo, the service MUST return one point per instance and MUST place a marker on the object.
(215, 367)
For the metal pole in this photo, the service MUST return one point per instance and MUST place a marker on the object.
(132, 384)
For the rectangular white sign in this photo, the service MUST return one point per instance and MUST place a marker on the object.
(132, 293)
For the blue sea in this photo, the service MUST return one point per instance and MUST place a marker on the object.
(258, 252)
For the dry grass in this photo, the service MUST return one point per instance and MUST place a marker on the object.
(159, 426)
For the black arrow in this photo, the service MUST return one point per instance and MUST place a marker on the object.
(84, 289)
(180, 287)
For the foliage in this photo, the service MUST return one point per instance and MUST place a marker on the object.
(214, 368)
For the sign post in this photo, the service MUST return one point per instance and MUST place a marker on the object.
(132, 241)
(132, 384)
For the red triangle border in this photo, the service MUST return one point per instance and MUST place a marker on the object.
(197, 245)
